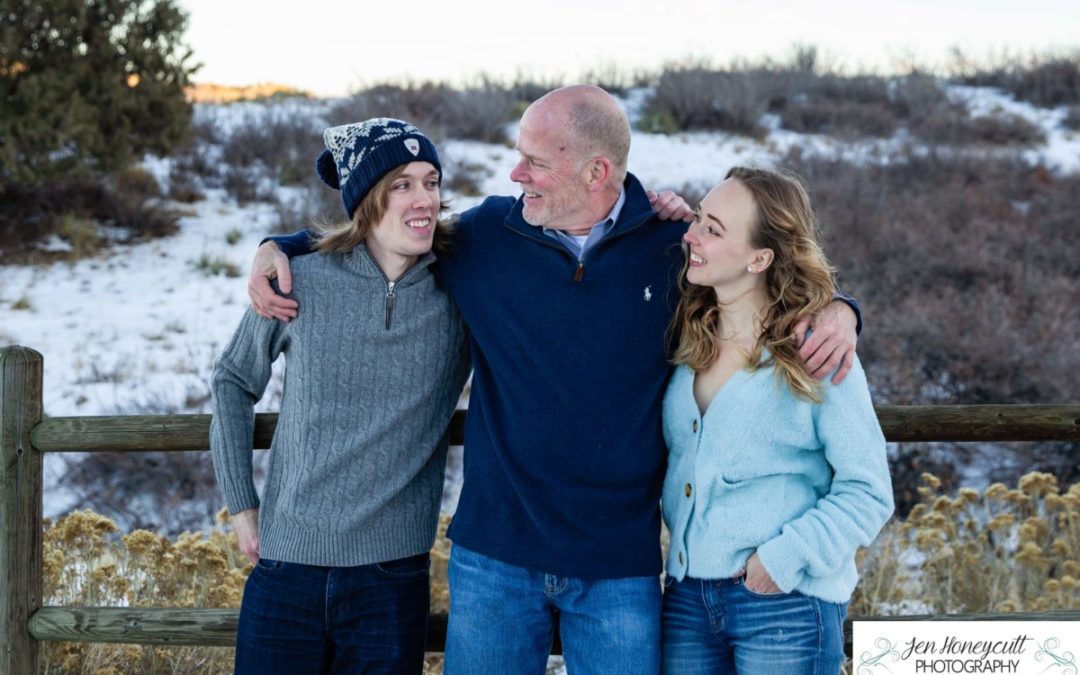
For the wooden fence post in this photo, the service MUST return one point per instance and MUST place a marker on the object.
(20, 509)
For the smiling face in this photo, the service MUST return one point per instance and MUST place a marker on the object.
(549, 171)
(719, 242)
(407, 227)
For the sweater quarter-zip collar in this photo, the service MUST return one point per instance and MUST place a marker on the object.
(361, 261)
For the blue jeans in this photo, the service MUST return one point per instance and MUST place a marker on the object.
(305, 619)
(721, 626)
(502, 619)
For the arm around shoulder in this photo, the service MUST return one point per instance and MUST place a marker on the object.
(295, 244)
(272, 262)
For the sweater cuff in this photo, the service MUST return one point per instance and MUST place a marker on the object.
(293, 245)
(854, 305)
(782, 562)
(241, 499)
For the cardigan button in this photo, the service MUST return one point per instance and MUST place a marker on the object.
(688, 489)
(695, 426)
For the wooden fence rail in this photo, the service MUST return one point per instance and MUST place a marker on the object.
(25, 435)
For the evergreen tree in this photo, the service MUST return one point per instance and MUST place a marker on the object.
(86, 86)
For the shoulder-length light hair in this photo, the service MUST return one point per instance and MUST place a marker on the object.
(799, 283)
(343, 237)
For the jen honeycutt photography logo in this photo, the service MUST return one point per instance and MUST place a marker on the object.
(969, 647)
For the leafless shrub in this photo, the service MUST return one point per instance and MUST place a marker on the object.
(951, 125)
(614, 78)
(162, 491)
(915, 94)
(808, 97)
(526, 87)
(166, 492)
(197, 164)
(1050, 83)
(184, 184)
(280, 141)
(852, 107)
(693, 193)
(129, 199)
(135, 202)
(464, 178)
(479, 112)
(1072, 118)
(839, 118)
(967, 275)
(1048, 80)
(98, 372)
(206, 129)
(965, 271)
(247, 185)
(315, 203)
(698, 97)
(808, 101)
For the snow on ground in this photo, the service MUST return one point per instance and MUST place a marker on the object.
(141, 323)
(1061, 151)
(136, 329)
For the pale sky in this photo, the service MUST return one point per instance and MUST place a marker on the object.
(331, 46)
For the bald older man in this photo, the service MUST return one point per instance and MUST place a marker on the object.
(567, 291)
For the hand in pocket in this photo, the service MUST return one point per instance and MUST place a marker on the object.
(757, 577)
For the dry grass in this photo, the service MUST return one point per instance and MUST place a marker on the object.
(129, 199)
(89, 563)
(1002, 550)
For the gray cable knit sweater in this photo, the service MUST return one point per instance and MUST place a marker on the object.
(372, 374)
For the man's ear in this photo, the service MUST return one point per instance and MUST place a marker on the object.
(597, 172)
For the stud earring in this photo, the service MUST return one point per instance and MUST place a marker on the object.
(749, 269)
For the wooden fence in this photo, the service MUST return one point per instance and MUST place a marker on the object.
(25, 434)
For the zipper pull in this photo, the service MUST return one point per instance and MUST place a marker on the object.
(389, 302)
(580, 271)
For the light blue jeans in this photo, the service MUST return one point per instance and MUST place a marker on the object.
(502, 619)
(719, 626)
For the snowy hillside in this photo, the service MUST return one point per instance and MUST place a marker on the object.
(136, 329)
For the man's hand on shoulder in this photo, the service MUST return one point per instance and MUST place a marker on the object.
(670, 206)
(831, 346)
(271, 263)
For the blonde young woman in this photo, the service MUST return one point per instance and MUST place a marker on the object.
(774, 478)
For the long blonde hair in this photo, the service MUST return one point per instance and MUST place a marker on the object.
(799, 283)
(343, 237)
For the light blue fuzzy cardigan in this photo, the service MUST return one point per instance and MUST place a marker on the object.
(803, 484)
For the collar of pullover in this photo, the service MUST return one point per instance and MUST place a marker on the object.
(362, 263)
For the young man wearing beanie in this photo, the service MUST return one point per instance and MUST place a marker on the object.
(340, 538)
(566, 292)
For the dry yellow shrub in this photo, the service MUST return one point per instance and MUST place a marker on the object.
(88, 564)
(1007, 550)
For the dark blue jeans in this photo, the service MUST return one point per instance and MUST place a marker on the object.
(298, 619)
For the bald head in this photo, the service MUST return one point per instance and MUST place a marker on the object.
(596, 123)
